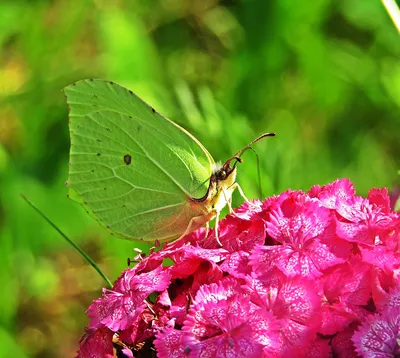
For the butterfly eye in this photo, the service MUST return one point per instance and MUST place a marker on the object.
(222, 174)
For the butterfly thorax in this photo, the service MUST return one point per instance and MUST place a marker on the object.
(219, 193)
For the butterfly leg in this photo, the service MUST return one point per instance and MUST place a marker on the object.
(233, 187)
(194, 224)
(229, 202)
(198, 221)
(240, 190)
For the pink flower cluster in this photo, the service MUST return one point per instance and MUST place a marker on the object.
(299, 275)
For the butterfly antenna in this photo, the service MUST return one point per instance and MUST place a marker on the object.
(75, 246)
(237, 155)
(262, 136)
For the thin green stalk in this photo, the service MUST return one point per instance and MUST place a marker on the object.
(258, 170)
(259, 174)
(83, 253)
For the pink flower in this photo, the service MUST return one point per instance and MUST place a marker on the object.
(187, 288)
(296, 304)
(346, 290)
(297, 275)
(363, 222)
(379, 335)
(249, 210)
(237, 264)
(393, 298)
(381, 283)
(223, 322)
(342, 345)
(298, 226)
(169, 343)
(121, 307)
(381, 199)
(334, 195)
(381, 256)
(154, 318)
(320, 348)
(96, 343)
(188, 259)
(237, 233)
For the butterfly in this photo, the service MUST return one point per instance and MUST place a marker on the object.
(139, 174)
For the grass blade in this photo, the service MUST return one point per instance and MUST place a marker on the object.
(83, 253)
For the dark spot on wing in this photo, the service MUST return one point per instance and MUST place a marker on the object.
(92, 170)
(111, 82)
(95, 96)
(108, 129)
(130, 117)
(127, 159)
(130, 92)
(91, 79)
(98, 154)
(105, 188)
(99, 140)
(153, 110)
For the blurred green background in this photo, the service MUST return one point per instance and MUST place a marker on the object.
(324, 75)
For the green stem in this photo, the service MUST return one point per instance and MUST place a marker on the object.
(259, 174)
(83, 253)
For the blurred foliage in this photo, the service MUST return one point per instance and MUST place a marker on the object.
(324, 75)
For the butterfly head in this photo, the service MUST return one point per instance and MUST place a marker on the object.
(227, 168)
